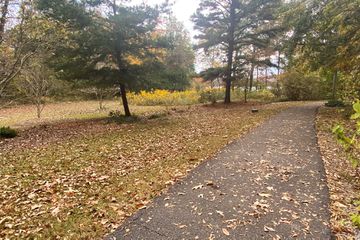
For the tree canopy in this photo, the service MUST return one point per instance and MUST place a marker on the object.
(238, 28)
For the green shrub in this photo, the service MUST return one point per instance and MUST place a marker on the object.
(211, 95)
(347, 111)
(237, 94)
(349, 138)
(335, 103)
(262, 95)
(355, 217)
(7, 132)
(276, 90)
(297, 86)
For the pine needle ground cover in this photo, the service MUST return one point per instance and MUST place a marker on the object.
(343, 180)
(81, 179)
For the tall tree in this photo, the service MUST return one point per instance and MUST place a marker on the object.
(324, 35)
(31, 35)
(178, 58)
(235, 25)
(35, 83)
(118, 42)
(4, 9)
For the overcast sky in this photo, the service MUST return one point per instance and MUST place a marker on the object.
(183, 10)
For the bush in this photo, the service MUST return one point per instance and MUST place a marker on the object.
(211, 95)
(276, 88)
(7, 132)
(262, 95)
(349, 138)
(298, 86)
(163, 97)
(355, 217)
(237, 94)
(335, 103)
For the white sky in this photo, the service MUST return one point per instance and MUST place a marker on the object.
(183, 10)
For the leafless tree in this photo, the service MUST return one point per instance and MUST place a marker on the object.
(35, 82)
(101, 94)
(26, 37)
(14, 48)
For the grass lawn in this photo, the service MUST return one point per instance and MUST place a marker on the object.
(343, 180)
(81, 179)
(25, 115)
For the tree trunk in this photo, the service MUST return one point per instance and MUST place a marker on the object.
(335, 76)
(124, 100)
(101, 102)
(251, 77)
(246, 90)
(266, 77)
(230, 53)
(252, 68)
(117, 56)
(278, 74)
(38, 112)
(257, 78)
(4, 12)
(38, 108)
(279, 63)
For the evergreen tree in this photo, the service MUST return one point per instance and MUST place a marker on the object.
(235, 25)
(113, 38)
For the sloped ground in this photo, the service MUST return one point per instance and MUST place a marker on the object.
(268, 185)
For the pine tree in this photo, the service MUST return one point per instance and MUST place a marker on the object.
(235, 25)
(118, 43)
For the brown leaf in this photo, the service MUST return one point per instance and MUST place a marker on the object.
(226, 232)
(268, 229)
(55, 211)
(266, 195)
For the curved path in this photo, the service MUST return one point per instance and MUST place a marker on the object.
(270, 184)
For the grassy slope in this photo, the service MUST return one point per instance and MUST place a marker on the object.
(83, 185)
(343, 182)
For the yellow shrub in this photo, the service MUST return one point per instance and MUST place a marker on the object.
(164, 97)
(262, 95)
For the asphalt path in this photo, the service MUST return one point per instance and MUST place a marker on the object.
(270, 184)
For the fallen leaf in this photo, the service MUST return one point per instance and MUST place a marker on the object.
(225, 231)
(35, 206)
(55, 211)
(221, 213)
(266, 195)
(198, 187)
(268, 229)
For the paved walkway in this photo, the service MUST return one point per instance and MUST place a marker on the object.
(270, 184)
